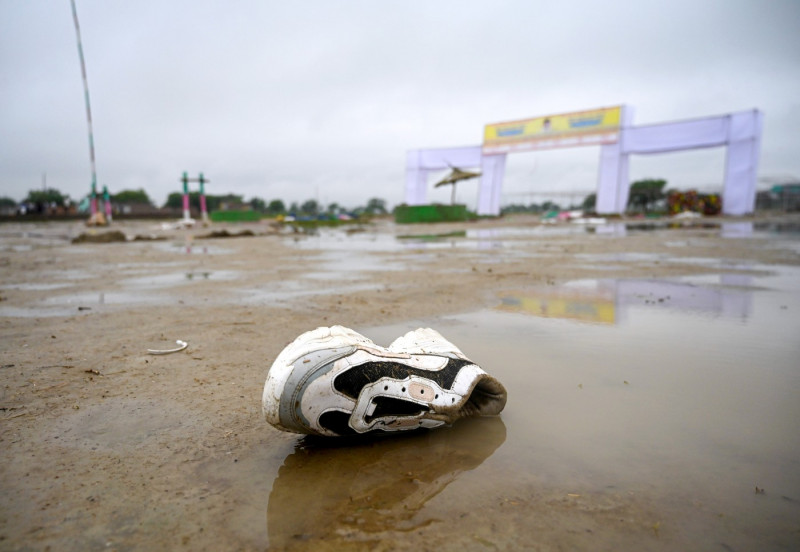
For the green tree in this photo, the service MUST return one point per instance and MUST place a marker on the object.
(47, 196)
(258, 204)
(131, 196)
(7, 202)
(276, 207)
(376, 206)
(310, 207)
(175, 200)
(590, 202)
(550, 206)
(646, 192)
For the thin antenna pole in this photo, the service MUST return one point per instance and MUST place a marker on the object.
(86, 94)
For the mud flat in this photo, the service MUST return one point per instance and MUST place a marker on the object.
(651, 367)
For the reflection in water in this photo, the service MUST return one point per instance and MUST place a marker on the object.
(592, 306)
(736, 229)
(353, 491)
(615, 229)
(608, 301)
(189, 243)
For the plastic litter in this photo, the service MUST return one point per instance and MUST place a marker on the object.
(181, 346)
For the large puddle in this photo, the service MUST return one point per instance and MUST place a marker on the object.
(641, 414)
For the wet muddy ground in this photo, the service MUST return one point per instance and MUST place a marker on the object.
(653, 375)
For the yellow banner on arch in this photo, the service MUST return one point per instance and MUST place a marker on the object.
(581, 128)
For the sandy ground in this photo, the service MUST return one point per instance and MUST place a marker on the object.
(107, 447)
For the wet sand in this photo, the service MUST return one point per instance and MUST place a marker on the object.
(107, 447)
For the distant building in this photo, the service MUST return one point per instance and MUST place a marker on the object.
(135, 208)
(784, 197)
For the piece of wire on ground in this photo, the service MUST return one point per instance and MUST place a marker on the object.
(181, 346)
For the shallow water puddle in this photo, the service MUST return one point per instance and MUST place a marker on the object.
(158, 281)
(141, 290)
(610, 301)
(190, 246)
(285, 292)
(659, 423)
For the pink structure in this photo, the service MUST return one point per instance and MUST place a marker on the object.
(203, 210)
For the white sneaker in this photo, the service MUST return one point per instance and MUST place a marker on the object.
(334, 381)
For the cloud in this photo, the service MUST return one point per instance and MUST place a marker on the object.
(299, 100)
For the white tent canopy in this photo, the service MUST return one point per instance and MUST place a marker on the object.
(740, 132)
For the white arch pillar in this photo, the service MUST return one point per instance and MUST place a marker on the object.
(493, 169)
(741, 162)
(740, 132)
(612, 180)
(416, 179)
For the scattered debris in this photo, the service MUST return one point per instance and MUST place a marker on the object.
(178, 224)
(12, 408)
(454, 234)
(102, 237)
(656, 527)
(93, 371)
(225, 234)
(181, 346)
(97, 219)
(760, 490)
(687, 215)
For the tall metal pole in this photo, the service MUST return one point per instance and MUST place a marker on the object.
(203, 209)
(186, 212)
(93, 195)
(88, 108)
(107, 204)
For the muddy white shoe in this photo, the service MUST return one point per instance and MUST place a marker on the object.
(334, 381)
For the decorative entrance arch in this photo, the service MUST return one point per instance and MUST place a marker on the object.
(740, 132)
(612, 129)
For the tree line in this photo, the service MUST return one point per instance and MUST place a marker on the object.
(49, 198)
(275, 207)
(645, 196)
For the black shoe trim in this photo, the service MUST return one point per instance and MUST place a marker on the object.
(336, 421)
(354, 379)
(389, 406)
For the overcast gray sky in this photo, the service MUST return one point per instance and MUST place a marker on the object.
(322, 99)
